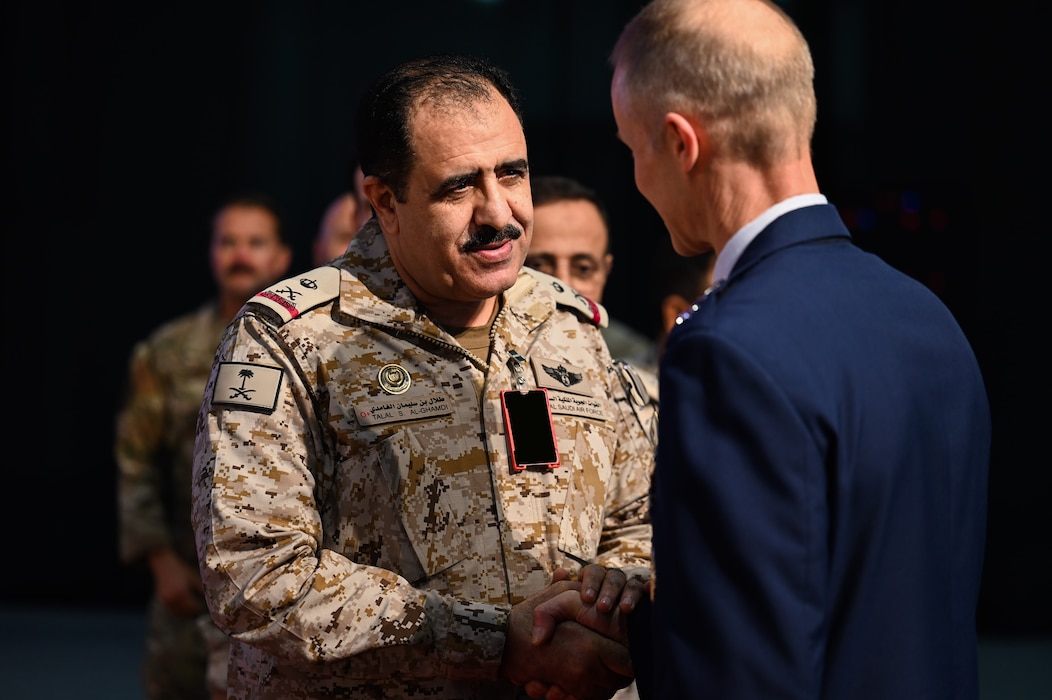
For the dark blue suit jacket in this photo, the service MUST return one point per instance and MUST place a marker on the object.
(819, 499)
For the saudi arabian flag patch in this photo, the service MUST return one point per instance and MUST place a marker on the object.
(247, 386)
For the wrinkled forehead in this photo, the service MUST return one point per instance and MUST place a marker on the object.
(458, 134)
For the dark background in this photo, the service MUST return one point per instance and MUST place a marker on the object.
(125, 125)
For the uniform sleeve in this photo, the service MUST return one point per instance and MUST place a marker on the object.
(740, 535)
(138, 448)
(626, 538)
(268, 579)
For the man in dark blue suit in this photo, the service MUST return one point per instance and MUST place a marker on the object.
(819, 498)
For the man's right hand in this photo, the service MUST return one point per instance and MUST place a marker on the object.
(178, 585)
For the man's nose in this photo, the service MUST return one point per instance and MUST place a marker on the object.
(562, 271)
(492, 207)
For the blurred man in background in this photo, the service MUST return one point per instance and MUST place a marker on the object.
(571, 241)
(341, 220)
(185, 653)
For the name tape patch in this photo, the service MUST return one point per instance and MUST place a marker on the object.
(244, 385)
(391, 409)
(580, 406)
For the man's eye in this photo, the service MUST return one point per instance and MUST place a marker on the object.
(541, 265)
(457, 186)
(585, 271)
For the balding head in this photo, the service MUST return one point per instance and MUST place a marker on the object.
(741, 66)
(338, 226)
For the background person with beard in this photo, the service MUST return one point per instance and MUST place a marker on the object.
(154, 451)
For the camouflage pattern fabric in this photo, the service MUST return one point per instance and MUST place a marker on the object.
(167, 375)
(176, 660)
(362, 533)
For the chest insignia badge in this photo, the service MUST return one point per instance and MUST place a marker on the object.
(394, 379)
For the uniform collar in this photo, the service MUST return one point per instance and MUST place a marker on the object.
(744, 236)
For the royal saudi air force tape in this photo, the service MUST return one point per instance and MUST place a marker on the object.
(255, 387)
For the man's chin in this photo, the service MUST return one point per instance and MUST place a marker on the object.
(244, 288)
(496, 283)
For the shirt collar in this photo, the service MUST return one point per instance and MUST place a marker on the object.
(743, 237)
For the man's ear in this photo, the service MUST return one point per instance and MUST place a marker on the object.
(382, 199)
(688, 139)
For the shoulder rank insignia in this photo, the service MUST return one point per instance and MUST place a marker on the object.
(565, 295)
(294, 295)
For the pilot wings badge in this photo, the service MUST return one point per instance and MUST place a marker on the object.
(563, 375)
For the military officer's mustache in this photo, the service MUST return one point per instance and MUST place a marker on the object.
(240, 268)
(488, 235)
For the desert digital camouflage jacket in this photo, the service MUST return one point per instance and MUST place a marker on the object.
(361, 531)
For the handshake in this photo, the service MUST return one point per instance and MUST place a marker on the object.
(570, 641)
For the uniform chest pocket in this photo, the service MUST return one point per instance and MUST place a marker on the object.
(426, 496)
(586, 456)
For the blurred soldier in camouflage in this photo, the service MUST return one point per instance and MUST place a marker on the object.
(362, 529)
(571, 240)
(154, 450)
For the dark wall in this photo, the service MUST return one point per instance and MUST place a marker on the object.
(125, 124)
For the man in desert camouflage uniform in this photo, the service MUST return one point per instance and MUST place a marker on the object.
(362, 531)
(154, 451)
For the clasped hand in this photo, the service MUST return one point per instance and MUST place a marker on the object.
(570, 641)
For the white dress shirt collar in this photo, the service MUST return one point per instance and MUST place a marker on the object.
(743, 237)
